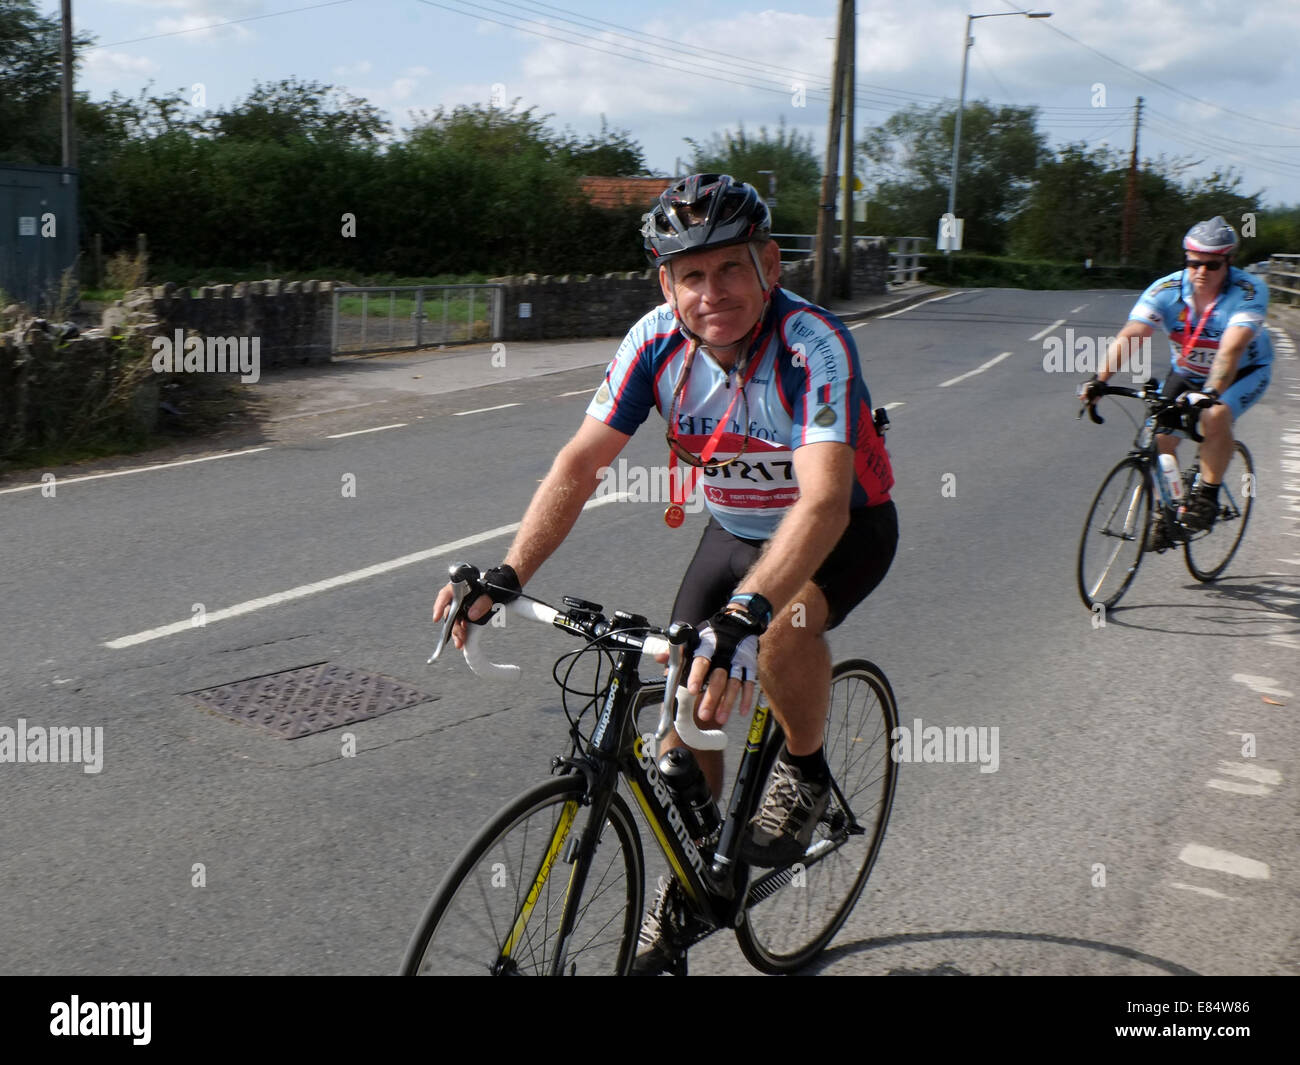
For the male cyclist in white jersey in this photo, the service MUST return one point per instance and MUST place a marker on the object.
(1221, 355)
(763, 395)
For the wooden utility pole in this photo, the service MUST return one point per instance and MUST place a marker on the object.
(822, 267)
(846, 201)
(1130, 191)
(69, 133)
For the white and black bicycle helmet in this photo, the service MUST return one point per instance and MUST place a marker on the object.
(1214, 237)
(704, 211)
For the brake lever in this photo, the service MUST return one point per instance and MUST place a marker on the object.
(462, 576)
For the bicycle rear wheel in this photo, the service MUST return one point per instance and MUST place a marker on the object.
(1114, 536)
(791, 914)
(498, 911)
(1209, 552)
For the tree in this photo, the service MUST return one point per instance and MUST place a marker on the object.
(912, 154)
(30, 81)
(785, 152)
(609, 153)
(290, 109)
(1074, 210)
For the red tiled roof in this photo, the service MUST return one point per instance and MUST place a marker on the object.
(624, 191)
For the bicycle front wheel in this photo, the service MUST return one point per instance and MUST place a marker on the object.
(500, 909)
(1114, 536)
(1209, 552)
(793, 913)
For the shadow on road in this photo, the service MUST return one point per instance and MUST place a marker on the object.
(947, 968)
(1249, 605)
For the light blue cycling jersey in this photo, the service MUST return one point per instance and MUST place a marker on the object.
(1243, 301)
(804, 386)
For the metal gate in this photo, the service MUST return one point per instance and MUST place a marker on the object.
(394, 317)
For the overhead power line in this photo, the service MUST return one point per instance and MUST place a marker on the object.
(217, 25)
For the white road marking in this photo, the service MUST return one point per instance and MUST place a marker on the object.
(1247, 771)
(358, 432)
(1263, 685)
(328, 410)
(576, 392)
(892, 406)
(483, 410)
(1238, 789)
(304, 590)
(139, 469)
(1203, 857)
(1079, 308)
(1203, 891)
(978, 369)
(1043, 332)
(904, 310)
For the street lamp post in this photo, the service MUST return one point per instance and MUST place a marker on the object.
(967, 41)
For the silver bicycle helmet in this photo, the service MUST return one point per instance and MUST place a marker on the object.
(1214, 237)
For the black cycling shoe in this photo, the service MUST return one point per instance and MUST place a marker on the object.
(1158, 536)
(1199, 513)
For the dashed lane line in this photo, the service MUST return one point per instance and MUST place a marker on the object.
(482, 410)
(979, 369)
(358, 432)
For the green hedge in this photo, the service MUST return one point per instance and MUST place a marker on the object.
(993, 271)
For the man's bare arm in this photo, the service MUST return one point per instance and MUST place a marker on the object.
(553, 511)
(1120, 347)
(559, 499)
(811, 528)
(1224, 368)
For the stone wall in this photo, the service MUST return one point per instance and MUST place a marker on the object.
(56, 391)
(292, 318)
(554, 308)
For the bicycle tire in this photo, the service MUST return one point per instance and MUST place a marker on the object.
(1209, 553)
(465, 932)
(1128, 488)
(792, 914)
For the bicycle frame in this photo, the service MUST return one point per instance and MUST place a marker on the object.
(717, 884)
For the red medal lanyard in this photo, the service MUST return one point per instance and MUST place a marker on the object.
(1187, 347)
(677, 493)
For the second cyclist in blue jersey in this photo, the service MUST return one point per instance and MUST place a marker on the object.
(1220, 354)
(765, 404)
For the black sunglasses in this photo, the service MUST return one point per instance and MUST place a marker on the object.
(1210, 264)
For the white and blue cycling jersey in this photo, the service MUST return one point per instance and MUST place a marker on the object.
(804, 386)
(1243, 301)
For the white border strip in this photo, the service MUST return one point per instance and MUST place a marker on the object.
(304, 590)
(60, 482)
(904, 310)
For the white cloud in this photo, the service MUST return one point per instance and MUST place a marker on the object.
(110, 66)
(190, 17)
(353, 69)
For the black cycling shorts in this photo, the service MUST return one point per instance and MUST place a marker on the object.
(856, 564)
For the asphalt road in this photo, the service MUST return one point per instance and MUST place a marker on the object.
(1119, 747)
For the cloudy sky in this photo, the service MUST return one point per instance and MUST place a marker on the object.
(1220, 79)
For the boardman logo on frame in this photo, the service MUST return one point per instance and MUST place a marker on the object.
(61, 743)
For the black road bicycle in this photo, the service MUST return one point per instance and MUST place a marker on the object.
(554, 883)
(1119, 526)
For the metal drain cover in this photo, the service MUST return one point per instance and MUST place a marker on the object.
(310, 699)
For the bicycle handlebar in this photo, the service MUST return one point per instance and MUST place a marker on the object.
(679, 704)
(1150, 394)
